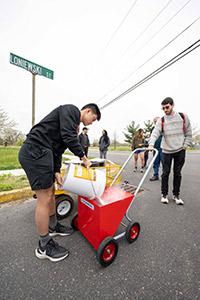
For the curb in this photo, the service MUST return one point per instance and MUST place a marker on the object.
(15, 195)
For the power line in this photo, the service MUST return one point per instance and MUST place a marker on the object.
(157, 71)
(144, 45)
(170, 19)
(146, 28)
(153, 56)
(121, 23)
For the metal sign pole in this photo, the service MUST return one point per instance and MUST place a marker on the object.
(33, 99)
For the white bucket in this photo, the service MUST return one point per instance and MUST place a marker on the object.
(84, 182)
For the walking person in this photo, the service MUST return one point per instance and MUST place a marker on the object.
(41, 156)
(158, 160)
(104, 143)
(84, 140)
(176, 137)
(138, 142)
(146, 153)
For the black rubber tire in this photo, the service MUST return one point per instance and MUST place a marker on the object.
(74, 223)
(132, 232)
(64, 206)
(107, 251)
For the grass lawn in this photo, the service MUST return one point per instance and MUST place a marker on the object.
(10, 182)
(9, 158)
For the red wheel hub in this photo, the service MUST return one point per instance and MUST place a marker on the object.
(134, 232)
(109, 252)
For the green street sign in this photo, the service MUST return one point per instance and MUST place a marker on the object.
(30, 66)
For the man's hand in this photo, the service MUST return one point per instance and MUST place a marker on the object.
(87, 163)
(59, 179)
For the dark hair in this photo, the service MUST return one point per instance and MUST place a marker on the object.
(105, 136)
(139, 132)
(105, 131)
(85, 128)
(94, 109)
(167, 100)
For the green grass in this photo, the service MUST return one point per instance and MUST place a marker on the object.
(120, 148)
(10, 182)
(9, 158)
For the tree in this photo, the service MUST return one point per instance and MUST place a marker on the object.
(4, 121)
(13, 136)
(131, 128)
(195, 134)
(148, 128)
(8, 132)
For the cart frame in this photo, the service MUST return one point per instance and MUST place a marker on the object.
(139, 185)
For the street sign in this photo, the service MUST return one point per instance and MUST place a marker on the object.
(30, 66)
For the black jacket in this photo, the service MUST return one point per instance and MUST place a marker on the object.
(84, 140)
(58, 131)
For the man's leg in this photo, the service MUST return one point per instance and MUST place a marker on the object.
(86, 151)
(101, 154)
(104, 154)
(45, 200)
(47, 247)
(179, 160)
(167, 161)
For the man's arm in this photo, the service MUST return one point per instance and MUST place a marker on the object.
(155, 134)
(57, 162)
(69, 121)
(188, 133)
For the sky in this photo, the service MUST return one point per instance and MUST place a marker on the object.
(93, 47)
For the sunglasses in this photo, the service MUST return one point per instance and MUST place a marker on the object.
(165, 107)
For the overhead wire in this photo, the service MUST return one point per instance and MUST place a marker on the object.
(141, 33)
(147, 27)
(120, 24)
(144, 45)
(170, 19)
(173, 60)
(149, 59)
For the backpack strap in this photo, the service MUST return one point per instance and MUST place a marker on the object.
(162, 124)
(183, 117)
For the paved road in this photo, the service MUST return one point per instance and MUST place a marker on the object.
(164, 263)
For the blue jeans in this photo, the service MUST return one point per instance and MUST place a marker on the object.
(103, 153)
(157, 162)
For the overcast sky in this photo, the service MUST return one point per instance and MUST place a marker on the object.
(92, 46)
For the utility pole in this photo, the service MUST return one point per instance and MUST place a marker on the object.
(115, 140)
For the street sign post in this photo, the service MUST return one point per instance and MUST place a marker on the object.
(35, 69)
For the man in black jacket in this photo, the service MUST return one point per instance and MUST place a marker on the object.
(84, 140)
(41, 157)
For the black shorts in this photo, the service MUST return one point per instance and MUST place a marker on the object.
(38, 164)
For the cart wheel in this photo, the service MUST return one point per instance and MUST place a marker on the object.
(107, 251)
(64, 206)
(132, 232)
(74, 222)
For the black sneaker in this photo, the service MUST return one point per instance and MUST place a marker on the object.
(61, 230)
(52, 251)
(154, 178)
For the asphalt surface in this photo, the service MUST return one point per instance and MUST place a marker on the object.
(164, 262)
